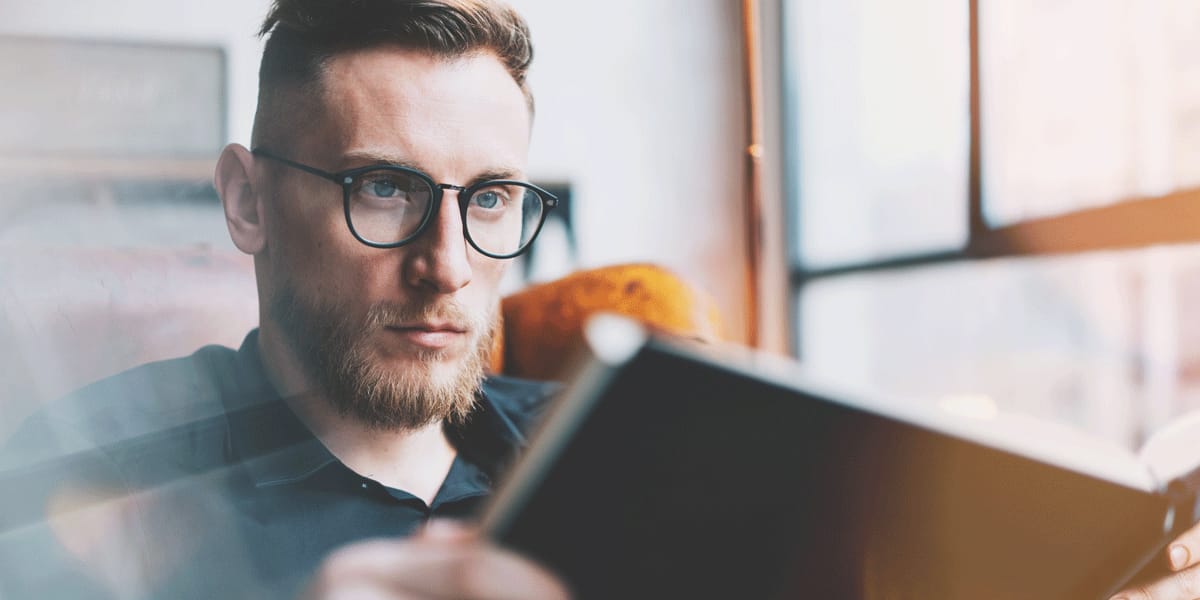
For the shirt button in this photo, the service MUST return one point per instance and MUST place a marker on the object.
(364, 485)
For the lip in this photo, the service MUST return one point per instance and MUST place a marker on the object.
(434, 336)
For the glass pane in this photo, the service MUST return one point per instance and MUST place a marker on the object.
(880, 91)
(1107, 343)
(1086, 103)
(501, 219)
(387, 206)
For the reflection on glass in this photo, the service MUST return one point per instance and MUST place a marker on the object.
(880, 94)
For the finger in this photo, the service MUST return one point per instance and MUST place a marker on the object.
(518, 577)
(476, 571)
(375, 570)
(373, 558)
(1184, 552)
(372, 565)
(356, 590)
(1184, 585)
(433, 568)
(446, 530)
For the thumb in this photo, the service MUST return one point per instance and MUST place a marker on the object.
(446, 530)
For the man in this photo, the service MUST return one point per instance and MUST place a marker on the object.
(381, 197)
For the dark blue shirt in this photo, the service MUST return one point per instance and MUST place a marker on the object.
(214, 487)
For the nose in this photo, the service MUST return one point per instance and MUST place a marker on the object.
(438, 259)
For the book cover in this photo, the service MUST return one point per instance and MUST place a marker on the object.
(670, 470)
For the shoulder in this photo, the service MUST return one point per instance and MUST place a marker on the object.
(521, 400)
(144, 400)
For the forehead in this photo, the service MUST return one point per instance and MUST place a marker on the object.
(443, 112)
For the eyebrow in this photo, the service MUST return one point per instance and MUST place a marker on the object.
(366, 157)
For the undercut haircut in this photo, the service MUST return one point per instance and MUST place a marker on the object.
(302, 35)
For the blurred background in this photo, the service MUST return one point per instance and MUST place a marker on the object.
(982, 201)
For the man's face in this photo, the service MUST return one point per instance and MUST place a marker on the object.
(396, 337)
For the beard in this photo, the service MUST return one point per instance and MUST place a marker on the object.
(333, 348)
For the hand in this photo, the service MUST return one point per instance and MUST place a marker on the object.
(1183, 583)
(444, 560)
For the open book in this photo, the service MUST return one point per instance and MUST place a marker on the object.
(668, 470)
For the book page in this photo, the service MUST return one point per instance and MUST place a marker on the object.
(1045, 441)
(1174, 450)
(1060, 444)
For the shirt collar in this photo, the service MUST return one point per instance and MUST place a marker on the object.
(276, 448)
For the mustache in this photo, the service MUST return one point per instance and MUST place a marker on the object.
(383, 314)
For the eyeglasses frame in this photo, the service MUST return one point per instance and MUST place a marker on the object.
(347, 178)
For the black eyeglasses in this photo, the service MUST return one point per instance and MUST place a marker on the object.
(389, 205)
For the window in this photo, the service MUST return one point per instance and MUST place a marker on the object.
(883, 130)
(1086, 103)
(998, 200)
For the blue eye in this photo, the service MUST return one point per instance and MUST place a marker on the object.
(488, 199)
(383, 188)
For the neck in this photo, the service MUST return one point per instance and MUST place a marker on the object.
(413, 460)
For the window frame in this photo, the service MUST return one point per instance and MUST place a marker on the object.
(1128, 223)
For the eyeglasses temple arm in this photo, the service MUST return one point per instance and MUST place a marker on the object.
(334, 177)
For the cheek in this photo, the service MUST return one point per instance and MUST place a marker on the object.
(488, 272)
(306, 220)
(312, 247)
(485, 282)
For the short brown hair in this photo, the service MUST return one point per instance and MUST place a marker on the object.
(302, 35)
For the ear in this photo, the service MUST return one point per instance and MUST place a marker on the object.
(241, 198)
